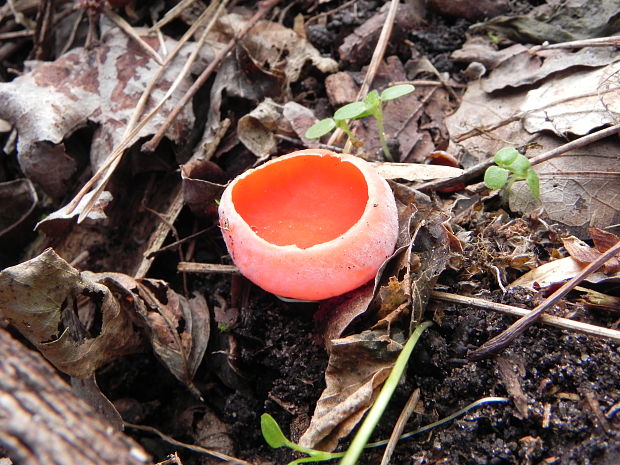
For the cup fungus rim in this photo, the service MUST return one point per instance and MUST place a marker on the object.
(358, 163)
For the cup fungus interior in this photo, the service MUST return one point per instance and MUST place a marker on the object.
(302, 201)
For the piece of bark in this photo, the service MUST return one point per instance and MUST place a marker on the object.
(42, 422)
(358, 46)
(341, 89)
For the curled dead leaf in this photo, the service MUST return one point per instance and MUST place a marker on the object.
(73, 319)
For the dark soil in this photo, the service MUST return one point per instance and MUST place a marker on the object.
(271, 357)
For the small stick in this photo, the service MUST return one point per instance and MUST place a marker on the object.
(505, 338)
(192, 267)
(263, 8)
(15, 35)
(373, 67)
(598, 42)
(201, 450)
(477, 170)
(557, 322)
(131, 32)
(400, 426)
(177, 243)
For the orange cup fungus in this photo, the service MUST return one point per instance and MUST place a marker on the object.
(309, 225)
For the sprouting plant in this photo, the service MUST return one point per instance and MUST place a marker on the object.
(372, 105)
(511, 166)
(274, 436)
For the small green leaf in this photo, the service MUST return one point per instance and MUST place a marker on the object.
(505, 156)
(350, 111)
(495, 177)
(320, 128)
(533, 182)
(272, 432)
(519, 166)
(396, 91)
(373, 100)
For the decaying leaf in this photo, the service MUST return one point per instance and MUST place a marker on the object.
(200, 186)
(19, 199)
(257, 129)
(528, 68)
(480, 49)
(578, 189)
(99, 85)
(559, 22)
(556, 272)
(574, 104)
(82, 320)
(73, 319)
(581, 189)
(583, 253)
(277, 50)
(358, 366)
(178, 329)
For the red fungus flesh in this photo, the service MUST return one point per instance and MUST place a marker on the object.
(304, 201)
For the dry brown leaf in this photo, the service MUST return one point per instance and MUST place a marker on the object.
(277, 50)
(178, 328)
(257, 129)
(100, 85)
(555, 273)
(19, 199)
(588, 99)
(581, 189)
(585, 254)
(300, 118)
(481, 49)
(528, 68)
(200, 186)
(603, 240)
(351, 386)
(73, 319)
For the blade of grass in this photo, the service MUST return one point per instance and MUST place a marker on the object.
(376, 411)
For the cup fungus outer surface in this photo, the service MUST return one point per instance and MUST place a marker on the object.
(356, 224)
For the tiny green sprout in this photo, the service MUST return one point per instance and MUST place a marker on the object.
(511, 166)
(321, 128)
(275, 438)
(372, 105)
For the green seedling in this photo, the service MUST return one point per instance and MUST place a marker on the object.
(511, 166)
(275, 438)
(372, 105)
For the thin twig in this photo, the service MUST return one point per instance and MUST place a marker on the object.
(373, 67)
(178, 242)
(576, 144)
(557, 322)
(15, 35)
(172, 13)
(104, 173)
(131, 32)
(192, 267)
(192, 447)
(505, 338)
(263, 8)
(330, 12)
(400, 426)
(477, 170)
(598, 42)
